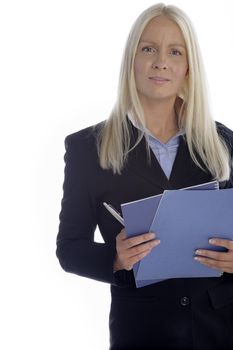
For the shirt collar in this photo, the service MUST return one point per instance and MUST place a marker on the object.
(151, 138)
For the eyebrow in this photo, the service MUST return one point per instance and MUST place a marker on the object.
(152, 42)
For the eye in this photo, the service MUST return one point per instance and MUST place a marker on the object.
(176, 52)
(148, 49)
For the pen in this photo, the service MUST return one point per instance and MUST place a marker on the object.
(114, 213)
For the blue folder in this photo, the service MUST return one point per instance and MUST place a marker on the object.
(138, 216)
(184, 222)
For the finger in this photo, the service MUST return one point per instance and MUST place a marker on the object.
(217, 265)
(139, 249)
(133, 260)
(220, 256)
(122, 235)
(133, 241)
(131, 256)
(227, 243)
(142, 248)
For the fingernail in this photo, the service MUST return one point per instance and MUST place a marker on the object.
(152, 235)
(156, 242)
(197, 258)
(212, 241)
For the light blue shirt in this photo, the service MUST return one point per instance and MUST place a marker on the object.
(165, 152)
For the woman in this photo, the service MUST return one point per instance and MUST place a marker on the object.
(159, 136)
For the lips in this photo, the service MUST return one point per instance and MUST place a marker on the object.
(156, 78)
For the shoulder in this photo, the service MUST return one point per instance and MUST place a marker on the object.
(225, 133)
(81, 147)
(83, 138)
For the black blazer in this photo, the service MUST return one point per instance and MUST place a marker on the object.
(173, 313)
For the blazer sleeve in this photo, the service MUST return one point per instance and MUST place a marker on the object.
(76, 250)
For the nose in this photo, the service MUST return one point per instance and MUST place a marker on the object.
(160, 61)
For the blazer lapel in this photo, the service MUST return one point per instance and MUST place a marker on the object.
(139, 164)
(184, 172)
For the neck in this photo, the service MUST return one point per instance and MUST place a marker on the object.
(161, 119)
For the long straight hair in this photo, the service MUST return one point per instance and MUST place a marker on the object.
(194, 115)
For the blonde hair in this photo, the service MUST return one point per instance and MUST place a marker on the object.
(194, 115)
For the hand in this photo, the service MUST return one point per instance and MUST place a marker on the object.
(131, 250)
(222, 261)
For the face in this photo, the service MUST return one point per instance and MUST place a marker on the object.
(161, 65)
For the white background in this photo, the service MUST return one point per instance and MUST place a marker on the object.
(59, 66)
